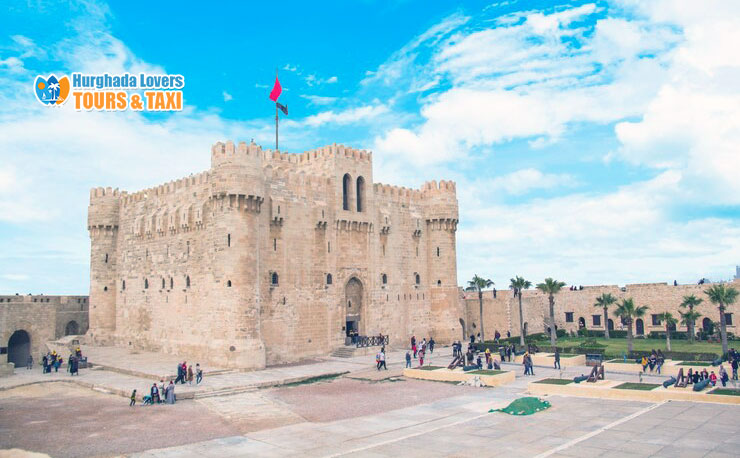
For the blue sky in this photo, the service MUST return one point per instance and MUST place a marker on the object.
(596, 142)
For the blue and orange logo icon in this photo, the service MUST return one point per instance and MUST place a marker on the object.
(51, 91)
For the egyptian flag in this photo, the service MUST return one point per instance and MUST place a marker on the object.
(276, 90)
(283, 108)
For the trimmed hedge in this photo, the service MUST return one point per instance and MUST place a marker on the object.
(583, 332)
(678, 355)
(675, 335)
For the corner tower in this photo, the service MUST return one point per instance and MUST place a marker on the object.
(102, 223)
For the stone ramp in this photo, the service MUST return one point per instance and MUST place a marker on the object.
(145, 364)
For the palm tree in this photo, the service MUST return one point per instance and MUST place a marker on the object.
(551, 287)
(479, 284)
(627, 311)
(722, 296)
(518, 284)
(690, 317)
(669, 320)
(605, 300)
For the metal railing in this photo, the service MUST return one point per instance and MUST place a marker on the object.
(371, 341)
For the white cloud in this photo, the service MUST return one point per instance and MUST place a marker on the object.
(332, 80)
(319, 100)
(351, 115)
(227, 97)
(15, 277)
(12, 64)
(525, 180)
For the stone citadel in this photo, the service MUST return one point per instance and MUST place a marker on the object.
(270, 257)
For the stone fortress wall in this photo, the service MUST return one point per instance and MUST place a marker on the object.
(267, 257)
(28, 322)
(502, 313)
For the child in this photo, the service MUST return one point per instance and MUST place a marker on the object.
(133, 399)
(408, 359)
(198, 374)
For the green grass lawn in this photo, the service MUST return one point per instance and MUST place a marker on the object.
(725, 391)
(486, 372)
(694, 363)
(555, 381)
(429, 368)
(618, 346)
(622, 361)
(564, 355)
(637, 386)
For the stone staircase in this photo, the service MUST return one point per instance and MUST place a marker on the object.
(224, 391)
(344, 352)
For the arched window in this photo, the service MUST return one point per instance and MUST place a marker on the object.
(146, 283)
(105, 288)
(346, 184)
(274, 279)
(417, 278)
(360, 194)
(328, 279)
(187, 281)
(384, 278)
(439, 282)
(228, 284)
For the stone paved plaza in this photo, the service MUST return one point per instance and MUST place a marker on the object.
(362, 413)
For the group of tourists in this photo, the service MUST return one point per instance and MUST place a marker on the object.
(420, 350)
(506, 351)
(165, 393)
(654, 361)
(694, 377)
(185, 373)
(52, 360)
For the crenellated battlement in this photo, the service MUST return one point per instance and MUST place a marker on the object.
(166, 188)
(104, 208)
(334, 151)
(433, 188)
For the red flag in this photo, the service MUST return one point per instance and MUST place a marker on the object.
(276, 90)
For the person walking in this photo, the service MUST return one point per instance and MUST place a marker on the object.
(408, 359)
(198, 374)
(190, 375)
(133, 399)
(382, 361)
(431, 345)
(557, 358)
(734, 364)
(421, 358)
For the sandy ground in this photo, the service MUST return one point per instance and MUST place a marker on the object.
(346, 398)
(70, 421)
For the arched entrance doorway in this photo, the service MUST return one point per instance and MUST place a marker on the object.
(353, 293)
(639, 327)
(19, 348)
(581, 323)
(610, 323)
(707, 325)
(72, 328)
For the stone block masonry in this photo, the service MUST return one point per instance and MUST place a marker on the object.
(271, 257)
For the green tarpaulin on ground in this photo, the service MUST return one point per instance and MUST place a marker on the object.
(524, 406)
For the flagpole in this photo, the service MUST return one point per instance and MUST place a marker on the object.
(276, 116)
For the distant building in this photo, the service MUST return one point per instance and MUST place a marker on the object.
(737, 272)
(28, 322)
